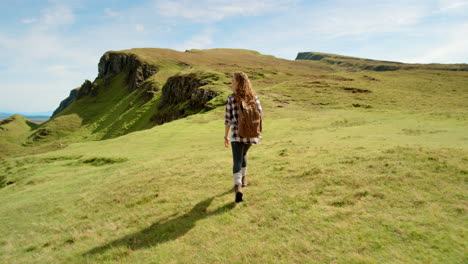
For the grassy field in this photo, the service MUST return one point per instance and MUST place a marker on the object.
(353, 167)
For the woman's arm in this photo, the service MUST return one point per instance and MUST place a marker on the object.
(259, 106)
(227, 122)
(226, 133)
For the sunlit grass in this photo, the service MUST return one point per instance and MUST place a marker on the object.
(334, 185)
(330, 182)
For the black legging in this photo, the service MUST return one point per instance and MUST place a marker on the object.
(239, 155)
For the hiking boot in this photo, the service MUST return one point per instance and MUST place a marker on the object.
(239, 193)
(239, 197)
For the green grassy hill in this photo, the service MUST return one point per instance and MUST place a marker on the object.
(14, 130)
(353, 63)
(129, 92)
(353, 167)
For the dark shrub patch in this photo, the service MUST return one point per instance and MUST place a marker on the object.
(100, 161)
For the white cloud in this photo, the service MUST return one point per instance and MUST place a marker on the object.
(56, 16)
(390, 30)
(453, 50)
(202, 40)
(38, 45)
(139, 28)
(452, 5)
(28, 20)
(34, 97)
(215, 10)
(41, 56)
(110, 12)
(330, 22)
(347, 18)
(44, 63)
(60, 70)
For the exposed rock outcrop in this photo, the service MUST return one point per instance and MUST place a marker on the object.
(67, 101)
(150, 90)
(309, 56)
(180, 88)
(182, 96)
(87, 89)
(112, 63)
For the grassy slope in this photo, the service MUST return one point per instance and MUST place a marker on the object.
(380, 182)
(14, 132)
(369, 64)
(11, 133)
(115, 111)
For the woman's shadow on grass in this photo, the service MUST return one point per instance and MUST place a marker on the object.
(164, 231)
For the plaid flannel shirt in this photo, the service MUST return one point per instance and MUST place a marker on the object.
(231, 116)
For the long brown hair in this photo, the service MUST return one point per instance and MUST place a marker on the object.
(243, 91)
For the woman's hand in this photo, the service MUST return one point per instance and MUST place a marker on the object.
(226, 133)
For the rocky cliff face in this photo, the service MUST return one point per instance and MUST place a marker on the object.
(309, 56)
(181, 88)
(67, 101)
(182, 96)
(111, 64)
(86, 89)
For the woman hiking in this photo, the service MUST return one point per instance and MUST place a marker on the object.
(242, 93)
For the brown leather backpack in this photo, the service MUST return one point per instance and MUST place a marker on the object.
(250, 120)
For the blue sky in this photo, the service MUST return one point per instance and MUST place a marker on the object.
(50, 47)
